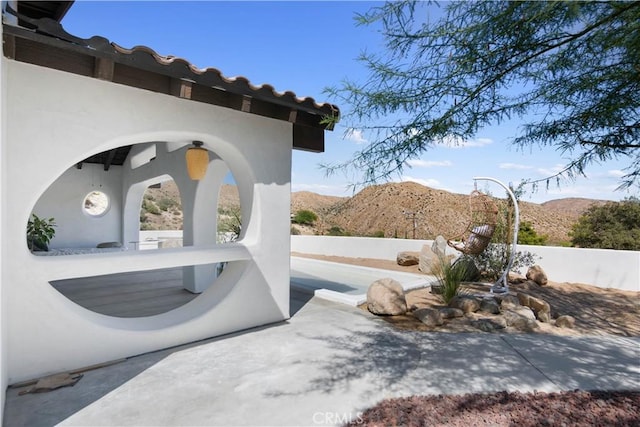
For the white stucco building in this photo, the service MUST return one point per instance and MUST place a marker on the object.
(80, 116)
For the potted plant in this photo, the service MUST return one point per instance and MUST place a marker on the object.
(40, 232)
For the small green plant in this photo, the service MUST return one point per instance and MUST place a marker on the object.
(378, 233)
(305, 217)
(40, 232)
(494, 259)
(166, 203)
(450, 276)
(294, 231)
(150, 207)
(527, 235)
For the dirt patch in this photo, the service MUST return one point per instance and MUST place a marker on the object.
(577, 408)
(598, 311)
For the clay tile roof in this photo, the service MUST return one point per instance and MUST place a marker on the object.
(141, 66)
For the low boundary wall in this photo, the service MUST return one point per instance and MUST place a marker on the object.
(604, 268)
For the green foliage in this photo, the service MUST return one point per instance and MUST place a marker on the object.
(230, 224)
(337, 231)
(166, 203)
(569, 68)
(450, 276)
(306, 217)
(495, 258)
(40, 232)
(294, 231)
(378, 233)
(150, 207)
(615, 225)
(528, 236)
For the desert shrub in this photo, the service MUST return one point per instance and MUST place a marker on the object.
(294, 231)
(230, 224)
(528, 236)
(305, 217)
(378, 233)
(450, 276)
(337, 231)
(166, 203)
(150, 207)
(495, 258)
(614, 225)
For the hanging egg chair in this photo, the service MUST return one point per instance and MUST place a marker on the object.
(477, 235)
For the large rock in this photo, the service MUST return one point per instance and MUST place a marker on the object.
(515, 277)
(537, 274)
(509, 301)
(471, 272)
(439, 247)
(428, 260)
(540, 307)
(429, 316)
(386, 297)
(521, 318)
(406, 258)
(489, 305)
(565, 322)
(466, 303)
(450, 313)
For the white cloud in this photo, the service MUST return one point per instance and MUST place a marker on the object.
(429, 182)
(355, 135)
(428, 163)
(549, 172)
(514, 166)
(457, 142)
(616, 173)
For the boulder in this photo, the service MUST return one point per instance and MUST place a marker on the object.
(509, 301)
(539, 306)
(537, 274)
(471, 272)
(386, 297)
(489, 305)
(450, 313)
(466, 303)
(489, 325)
(565, 321)
(515, 277)
(439, 247)
(427, 260)
(521, 318)
(406, 258)
(429, 316)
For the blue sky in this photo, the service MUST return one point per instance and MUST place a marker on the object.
(306, 46)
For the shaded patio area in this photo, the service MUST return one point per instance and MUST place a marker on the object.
(137, 294)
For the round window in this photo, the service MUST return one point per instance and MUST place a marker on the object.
(96, 203)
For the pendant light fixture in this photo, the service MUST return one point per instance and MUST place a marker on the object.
(197, 161)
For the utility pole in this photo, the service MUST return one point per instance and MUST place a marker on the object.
(413, 216)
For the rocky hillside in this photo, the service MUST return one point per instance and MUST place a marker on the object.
(388, 209)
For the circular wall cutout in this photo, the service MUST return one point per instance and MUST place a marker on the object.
(96, 203)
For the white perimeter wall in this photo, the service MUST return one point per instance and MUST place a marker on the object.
(600, 267)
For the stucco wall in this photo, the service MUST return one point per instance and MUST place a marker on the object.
(599, 267)
(3, 183)
(63, 200)
(65, 118)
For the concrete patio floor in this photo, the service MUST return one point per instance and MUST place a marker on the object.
(322, 367)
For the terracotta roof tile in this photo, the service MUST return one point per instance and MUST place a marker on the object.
(144, 57)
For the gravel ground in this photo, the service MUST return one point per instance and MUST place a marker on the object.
(575, 408)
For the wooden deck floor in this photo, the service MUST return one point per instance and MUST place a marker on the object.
(136, 294)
